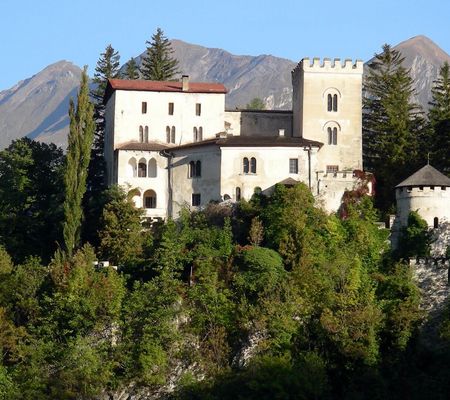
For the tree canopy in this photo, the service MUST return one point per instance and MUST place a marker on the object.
(158, 64)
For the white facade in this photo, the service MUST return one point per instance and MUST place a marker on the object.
(175, 143)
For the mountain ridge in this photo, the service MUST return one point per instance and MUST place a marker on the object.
(44, 97)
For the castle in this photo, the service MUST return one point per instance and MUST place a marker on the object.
(177, 145)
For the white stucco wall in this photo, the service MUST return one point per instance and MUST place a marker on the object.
(127, 115)
(158, 184)
(207, 185)
(272, 167)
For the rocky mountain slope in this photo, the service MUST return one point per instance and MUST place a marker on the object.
(37, 107)
(423, 58)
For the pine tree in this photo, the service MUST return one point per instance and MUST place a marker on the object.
(108, 67)
(131, 70)
(158, 63)
(439, 120)
(80, 139)
(392, 124)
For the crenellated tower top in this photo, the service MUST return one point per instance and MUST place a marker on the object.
(328, 65)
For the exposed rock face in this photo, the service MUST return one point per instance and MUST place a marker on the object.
(38, 106)
(423, 58)
(432, 278)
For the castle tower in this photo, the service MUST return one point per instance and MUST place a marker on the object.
(427, 191)
(327, 107)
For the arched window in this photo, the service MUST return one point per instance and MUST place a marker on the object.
(332, 135)
(191, 171)
(167, 134)
(146, 134)
(195, 134)
(200, 134)
(226, 197)
(141, 134)
(131, 168)
(253, 165)
(436, 222)
(198, 168)
(142, 168)
(238, 193)
(195, 169)
(172, 135)
(332, 102)
(152, 168)
(257, 190)
(245, 165)
(149, 199)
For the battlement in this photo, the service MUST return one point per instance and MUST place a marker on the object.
(328, 65)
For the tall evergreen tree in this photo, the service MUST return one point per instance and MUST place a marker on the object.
(439, 119)
(158, 63)
(80, 139)
(108, 67)
(392, 124)
(131, 70)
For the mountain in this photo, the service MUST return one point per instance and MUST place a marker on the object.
(37, 107)
(424, 58)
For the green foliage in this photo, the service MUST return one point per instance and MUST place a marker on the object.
(415, 238)
(256, 104)
(30, 198)
(158, 63)
(80, 139)
(439, 120)
(131, 70)
(392, 124)
(108, 67)
(121, 232)
(259, 269)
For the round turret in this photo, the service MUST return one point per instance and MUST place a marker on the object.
(427, 191)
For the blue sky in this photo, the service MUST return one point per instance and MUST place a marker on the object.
(36, 33)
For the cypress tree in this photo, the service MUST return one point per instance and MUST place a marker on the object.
(392, 124)
(131, 70)
(439, 120)
(80, 139)
(108, 67)
(158, 63)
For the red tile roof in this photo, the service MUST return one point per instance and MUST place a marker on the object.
(165, 86)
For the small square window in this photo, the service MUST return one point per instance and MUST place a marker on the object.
(170, 108)
(144, 107)
(196, 199)
(198, 109)
(293, 165)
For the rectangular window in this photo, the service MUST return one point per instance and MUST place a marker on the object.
(170, 108)
(150, 202)
(332, 169)
(196, 199)
(144, 107)
(198, 109)
(293, 165)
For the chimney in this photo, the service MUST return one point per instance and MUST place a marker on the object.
(280, 132)
(185, 83)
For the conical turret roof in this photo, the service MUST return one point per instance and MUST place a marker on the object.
(426, 176)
